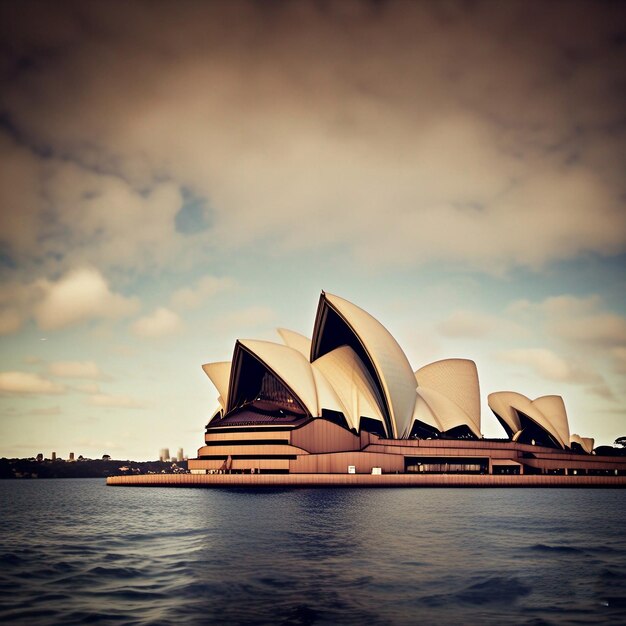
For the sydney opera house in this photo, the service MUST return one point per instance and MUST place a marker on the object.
(347, 401)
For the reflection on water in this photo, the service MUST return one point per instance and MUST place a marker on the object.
(76, 551)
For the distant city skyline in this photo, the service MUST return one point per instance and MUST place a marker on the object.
(71, 456)
(178, 176)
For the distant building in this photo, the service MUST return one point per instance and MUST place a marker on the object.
(71, 456)
(40, 457)
(164, 455)
(54, 456)
(179, 455)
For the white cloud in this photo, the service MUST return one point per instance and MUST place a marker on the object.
(581, 322)
(116, 401)
(79, 296)
(475, 325)
(90, 388)
(602, 330)
(465, 324)
(48, 410)
(75, 369)
(589, 341)
(160, 323)
(207, 287)
(26, 383)
(550, 366)
(519, 306)
(249, 318)
(568, 305)
(602, 390)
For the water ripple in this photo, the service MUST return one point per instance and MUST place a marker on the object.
(77, 552)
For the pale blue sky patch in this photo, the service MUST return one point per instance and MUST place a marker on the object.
(194, 215)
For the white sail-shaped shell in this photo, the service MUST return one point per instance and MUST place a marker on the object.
(352, 384)
(553, 408)
(547, 412)
(586, 443)
(501, 403)
(394, 376)
(327, 397)
(295, 340)
(456, 380)
(289, 365)
(219, 373)
(447, 414)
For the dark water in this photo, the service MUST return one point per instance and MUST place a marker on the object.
(78, 552)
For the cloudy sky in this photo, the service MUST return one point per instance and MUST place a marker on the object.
(176, 175)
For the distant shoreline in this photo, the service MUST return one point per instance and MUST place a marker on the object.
(30, 469)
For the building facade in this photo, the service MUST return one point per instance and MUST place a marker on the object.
(348, 400)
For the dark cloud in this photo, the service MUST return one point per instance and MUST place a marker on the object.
(367, 125)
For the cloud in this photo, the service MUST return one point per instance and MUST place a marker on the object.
(568, 305)
(466, 134)
(619, 358)
(465, 324)
(160, 323)
(77, 297)
(206, 287)
(474, 325)
(48, 410)
(550, 366)
(90, 388)
(588, 338)
(581, 322)
(79, 216)
(603, 330)
(51, 302)
(75, 369)
(116, 401)
(25, 383)
(248, 318)
(10, 321)
(17, 300)
(602, 391)
(519, 306)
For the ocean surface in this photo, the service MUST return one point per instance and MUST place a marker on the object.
(79, 552)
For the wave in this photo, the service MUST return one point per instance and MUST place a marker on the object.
(540, 547)
(490, 590)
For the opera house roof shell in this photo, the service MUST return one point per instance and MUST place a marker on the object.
(353, 372)
(523, 418)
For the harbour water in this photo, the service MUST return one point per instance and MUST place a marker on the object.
(79, 552)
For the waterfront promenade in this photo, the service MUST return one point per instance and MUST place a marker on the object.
(363, 480)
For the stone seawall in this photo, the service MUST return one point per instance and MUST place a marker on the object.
(362, 480)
